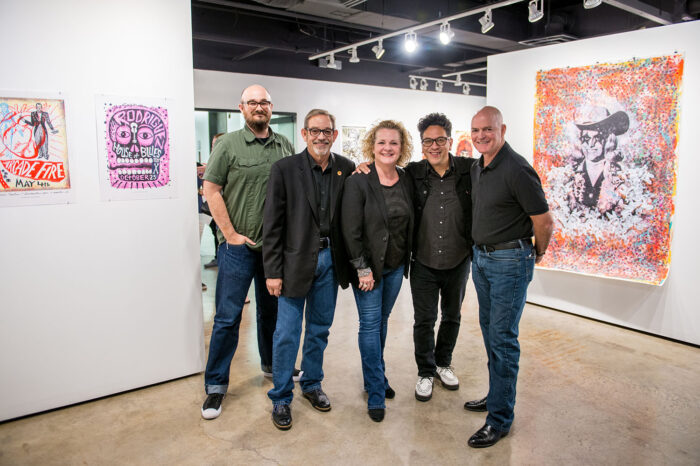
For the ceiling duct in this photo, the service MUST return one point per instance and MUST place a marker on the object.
(286, 4)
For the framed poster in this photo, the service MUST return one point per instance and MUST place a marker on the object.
(34, 166)
(133, 136)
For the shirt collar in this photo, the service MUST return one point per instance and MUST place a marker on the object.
(250, 137)
(497, 159)
(312, 161)
(450, 169)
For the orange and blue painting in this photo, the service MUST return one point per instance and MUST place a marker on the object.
(605, 141)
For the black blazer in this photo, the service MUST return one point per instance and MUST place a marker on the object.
(366, 223)
(291, 227)
(418, 172)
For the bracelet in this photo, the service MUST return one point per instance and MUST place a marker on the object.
(539, 254)
(363, 272)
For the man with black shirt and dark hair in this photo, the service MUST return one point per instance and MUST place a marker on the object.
(441, 252)
(509, 208)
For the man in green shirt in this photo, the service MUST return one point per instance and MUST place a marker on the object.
(235, 184)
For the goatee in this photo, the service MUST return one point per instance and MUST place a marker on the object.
(258, 125)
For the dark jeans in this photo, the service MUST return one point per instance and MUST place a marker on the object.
(238, 266)
(501, 279)
(374, 308)
(426, 285)
(320, 310)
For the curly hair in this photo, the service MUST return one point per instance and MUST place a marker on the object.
(435, 119)
(371, 137)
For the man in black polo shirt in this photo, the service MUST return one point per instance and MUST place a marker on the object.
(508, 208)
(441, 253)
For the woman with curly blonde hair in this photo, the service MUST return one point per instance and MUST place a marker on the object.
(377, 220)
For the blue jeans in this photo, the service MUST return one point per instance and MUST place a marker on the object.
(501, 279)
(374, 308)
(238, 266)
(320, 309)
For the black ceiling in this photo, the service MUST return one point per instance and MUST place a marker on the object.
(276, 37)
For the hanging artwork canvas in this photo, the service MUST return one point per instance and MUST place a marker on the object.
(463, 146)
(134, 148)
(352, 142)
(605, 141)
(34, 165)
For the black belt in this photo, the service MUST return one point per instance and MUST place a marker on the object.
(515, 244)
(324, 242)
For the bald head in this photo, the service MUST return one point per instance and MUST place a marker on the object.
(255, 92)
(488, 131)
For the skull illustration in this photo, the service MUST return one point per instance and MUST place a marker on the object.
(138, 152)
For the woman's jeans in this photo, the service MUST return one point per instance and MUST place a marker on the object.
(374, 308)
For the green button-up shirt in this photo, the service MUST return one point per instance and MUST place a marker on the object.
(240, 163)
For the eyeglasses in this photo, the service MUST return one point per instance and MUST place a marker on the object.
(262, 103)
(441, 141)
(315, 131)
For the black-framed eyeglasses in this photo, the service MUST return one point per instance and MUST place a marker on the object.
(328, 132)
(262, 103)
(441, 141)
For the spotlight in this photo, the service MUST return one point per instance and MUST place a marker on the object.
(438, 86)
(446, 33)
(486, 22)
(458, 81)
(413, 82)
(410, 42)
(588, 4)
(423, 84)
(378, 50)
(353, 56)
(465, 89)
(331, 62)
(536, 10)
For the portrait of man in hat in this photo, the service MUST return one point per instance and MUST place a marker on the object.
(596, 159)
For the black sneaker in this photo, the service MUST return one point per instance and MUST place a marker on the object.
(267, 372)
(297, 375)
(212, 406)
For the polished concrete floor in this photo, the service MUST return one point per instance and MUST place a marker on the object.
(588, 393)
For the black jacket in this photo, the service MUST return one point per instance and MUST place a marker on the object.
(291, 225)
(366, 223)
(418, 172)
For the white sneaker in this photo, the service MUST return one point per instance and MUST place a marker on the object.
(212, 406)
(424, 388)
(447, 377)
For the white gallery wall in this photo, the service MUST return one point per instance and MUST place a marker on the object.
(99, 297)
(352, 104)
(672, 310)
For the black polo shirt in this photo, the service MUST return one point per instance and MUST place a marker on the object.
(322, 183)
(504, 196)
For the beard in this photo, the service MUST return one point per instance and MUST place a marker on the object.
(258, 125)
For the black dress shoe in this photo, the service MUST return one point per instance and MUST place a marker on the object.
(377, 414)
(389, 393)
(476, 405)
(282, 417)
(318, 399)
(485, 437)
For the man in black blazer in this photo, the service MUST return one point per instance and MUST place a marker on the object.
(305, 260)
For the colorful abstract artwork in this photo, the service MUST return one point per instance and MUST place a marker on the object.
(462, 145)
(135, 147)
(33, 145)
(352, 142)
(605, 140)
